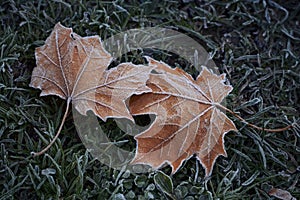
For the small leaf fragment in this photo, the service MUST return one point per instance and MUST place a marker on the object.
(281, 194)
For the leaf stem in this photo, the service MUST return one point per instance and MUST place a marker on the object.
(34, 154)
(252, 125)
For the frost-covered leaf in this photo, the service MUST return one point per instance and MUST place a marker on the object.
(188, 119)
(74, 68)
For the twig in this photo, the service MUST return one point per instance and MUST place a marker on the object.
(252, 125)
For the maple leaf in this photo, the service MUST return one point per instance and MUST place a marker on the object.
(188, 120)
(74, 68)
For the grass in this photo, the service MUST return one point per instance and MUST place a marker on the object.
(257, 44)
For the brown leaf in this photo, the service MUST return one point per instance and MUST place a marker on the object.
(281, 194)
(74, 68)
(188, 120)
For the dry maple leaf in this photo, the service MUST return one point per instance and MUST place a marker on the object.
(188, 120)
(74, 68)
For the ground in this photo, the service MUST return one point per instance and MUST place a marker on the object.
(257, 45)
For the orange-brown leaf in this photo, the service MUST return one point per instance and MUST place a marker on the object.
(74, 68)
(188, 121)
